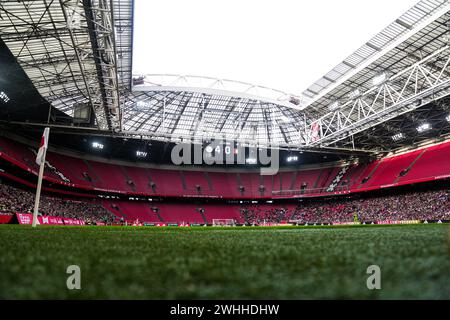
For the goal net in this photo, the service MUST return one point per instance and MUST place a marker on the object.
(223, 222)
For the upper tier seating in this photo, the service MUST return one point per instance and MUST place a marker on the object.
(425, 164)
(434, 162)
(26, 156)
(390, 169)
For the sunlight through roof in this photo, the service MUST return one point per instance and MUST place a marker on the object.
(284, 44)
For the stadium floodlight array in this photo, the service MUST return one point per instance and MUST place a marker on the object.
(4, 97)
(292, 159)
(97, 145)
(423, 127)
(141, 154)
(398, 136)
(334, 106)
(143, 105)
(354, 94)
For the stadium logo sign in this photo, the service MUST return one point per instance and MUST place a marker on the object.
(224, 152)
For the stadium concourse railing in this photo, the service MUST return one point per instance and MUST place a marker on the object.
(427, 164)
(309, 192)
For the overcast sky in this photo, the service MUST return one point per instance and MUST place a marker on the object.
(281, 44)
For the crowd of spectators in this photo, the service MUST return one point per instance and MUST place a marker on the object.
(257, 214)
(430, 205)
(14, 200)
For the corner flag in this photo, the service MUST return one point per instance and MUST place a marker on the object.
(43, 147)
(40, 160)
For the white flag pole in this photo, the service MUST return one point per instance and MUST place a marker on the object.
(39, 185)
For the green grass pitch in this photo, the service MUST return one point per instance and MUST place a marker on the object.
(225, 263)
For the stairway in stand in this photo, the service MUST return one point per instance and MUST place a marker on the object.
(410, 166)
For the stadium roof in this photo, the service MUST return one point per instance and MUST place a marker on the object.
(69, 58)
(389, 38)
(81, 52)
(414, 47)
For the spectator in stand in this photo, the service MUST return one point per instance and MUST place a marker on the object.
(430, 205)
(14, 200)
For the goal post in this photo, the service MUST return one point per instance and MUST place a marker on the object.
(223, 222)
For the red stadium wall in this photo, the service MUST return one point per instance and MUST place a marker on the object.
(6, 218)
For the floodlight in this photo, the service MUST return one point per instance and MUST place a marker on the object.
(97, 145)
(334, 106)
(398, 136)
(423, 127)
(141, 154)
(4, 97)
(354, 94)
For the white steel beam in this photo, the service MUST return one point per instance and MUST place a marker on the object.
(97, 57)
(421, 83)
(380, 53)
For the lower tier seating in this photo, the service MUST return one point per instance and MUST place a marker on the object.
(15, 200)
(428, 205)
(424, 205)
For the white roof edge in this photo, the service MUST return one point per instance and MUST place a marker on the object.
(216, 86)
(226, 93)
